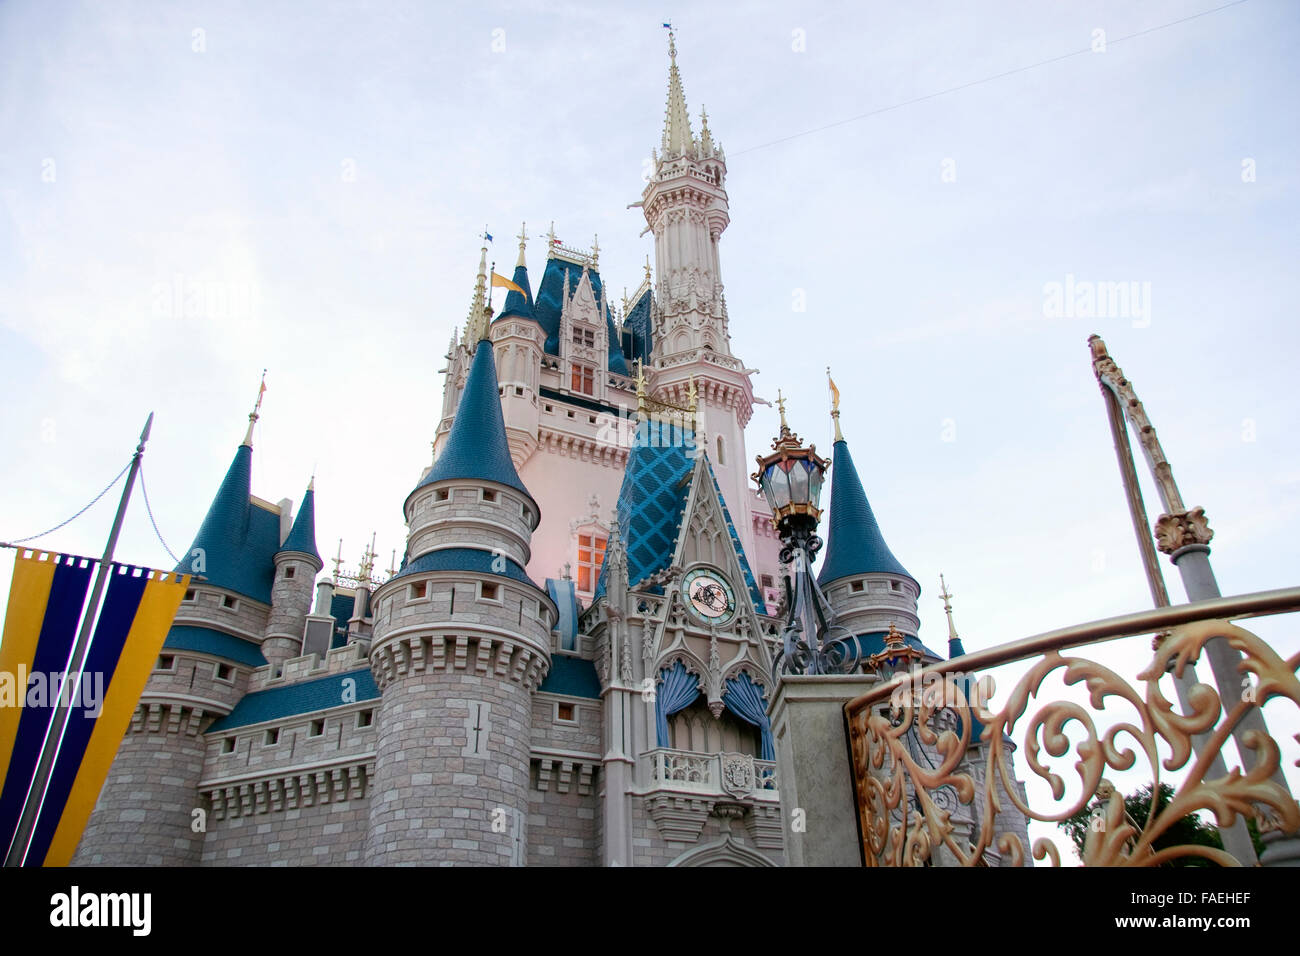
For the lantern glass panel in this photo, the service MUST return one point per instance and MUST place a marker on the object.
(815, 485)
(799, 482)
(779, 495)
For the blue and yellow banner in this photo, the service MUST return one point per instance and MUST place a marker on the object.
(137, 611)
(45, 603)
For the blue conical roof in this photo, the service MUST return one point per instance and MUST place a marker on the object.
(302, 537)
(237, 541)
(854, 544)
(516, 304)
(477, 446)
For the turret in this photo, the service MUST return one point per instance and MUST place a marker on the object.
(143, 818)
(518, 341)
(866, 585)
(297, 562)
(686, 207)
(461, 642)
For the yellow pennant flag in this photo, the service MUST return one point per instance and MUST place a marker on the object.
(501, 282)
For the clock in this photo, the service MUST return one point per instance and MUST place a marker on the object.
(709, 596)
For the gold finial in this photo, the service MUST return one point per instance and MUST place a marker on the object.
(780, 405)
(641, 408)
(894, 638)
(337, 561)
(367, 562)
(835, 405)
(692, 396)
(392, 564)
(255, 414)
(595, 253)
(947, 608)
(550, 239)
(523, 238)
(647, 268)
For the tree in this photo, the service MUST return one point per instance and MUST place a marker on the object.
(1190, 830)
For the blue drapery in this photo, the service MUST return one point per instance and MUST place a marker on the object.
(677, 690)
(744, 698)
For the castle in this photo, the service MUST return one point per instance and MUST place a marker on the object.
(571, 665)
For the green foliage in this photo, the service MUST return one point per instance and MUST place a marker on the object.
(1191, 830)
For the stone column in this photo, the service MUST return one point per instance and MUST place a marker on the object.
(819, 814)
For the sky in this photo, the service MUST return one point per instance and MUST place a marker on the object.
(193, 193)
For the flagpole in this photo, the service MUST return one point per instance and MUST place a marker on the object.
(17, 852)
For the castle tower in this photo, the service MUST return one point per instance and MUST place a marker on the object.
(461, 642)
(685, 206)
(147, 809)
(866, 585)
(297, 563)
(518, 340)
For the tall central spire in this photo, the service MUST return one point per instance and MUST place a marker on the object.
(677, 122)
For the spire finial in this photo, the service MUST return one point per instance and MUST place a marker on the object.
(677, 123)
(337, 561)
(835, 405)
(475, 326)
(641, 408)
(255, 414)
(523, 238)
(954, 642)
(595, 253)
(780, 405)
(647, 269)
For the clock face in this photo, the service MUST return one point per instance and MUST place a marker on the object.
(709, 595)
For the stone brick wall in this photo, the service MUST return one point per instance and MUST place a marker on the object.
(145, 811)
(563, 828)
(432, 803)
(332, 834)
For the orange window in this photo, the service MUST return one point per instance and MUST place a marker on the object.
(591, 554)
(584, 380)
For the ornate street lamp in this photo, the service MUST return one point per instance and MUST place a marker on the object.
(791, 479)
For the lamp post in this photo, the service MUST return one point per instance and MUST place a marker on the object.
(791, 479)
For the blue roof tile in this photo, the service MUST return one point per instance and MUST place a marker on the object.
(305, 697)
(516, 304)
(550, 298)
(467, 559)
(477, 447)
(574, 676)
(854, 544)
(302, 537)
(650, 501)
(238, 538)
(205, 640)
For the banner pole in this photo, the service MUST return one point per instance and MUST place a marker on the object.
(17, 852)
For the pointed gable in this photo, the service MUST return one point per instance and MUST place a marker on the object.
(550, 303)
(650, 501)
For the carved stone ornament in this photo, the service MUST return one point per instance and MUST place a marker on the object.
(738, 774)
(1177, 531)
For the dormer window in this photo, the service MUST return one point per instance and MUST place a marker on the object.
(584, 380)
(585, 337)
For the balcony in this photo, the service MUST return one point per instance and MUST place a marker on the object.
(684, 788)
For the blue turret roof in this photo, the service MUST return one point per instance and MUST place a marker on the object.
(516, 304)
(854, 544)
(477, 446)
(238, 539)
(302, 537)
(550, 300)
